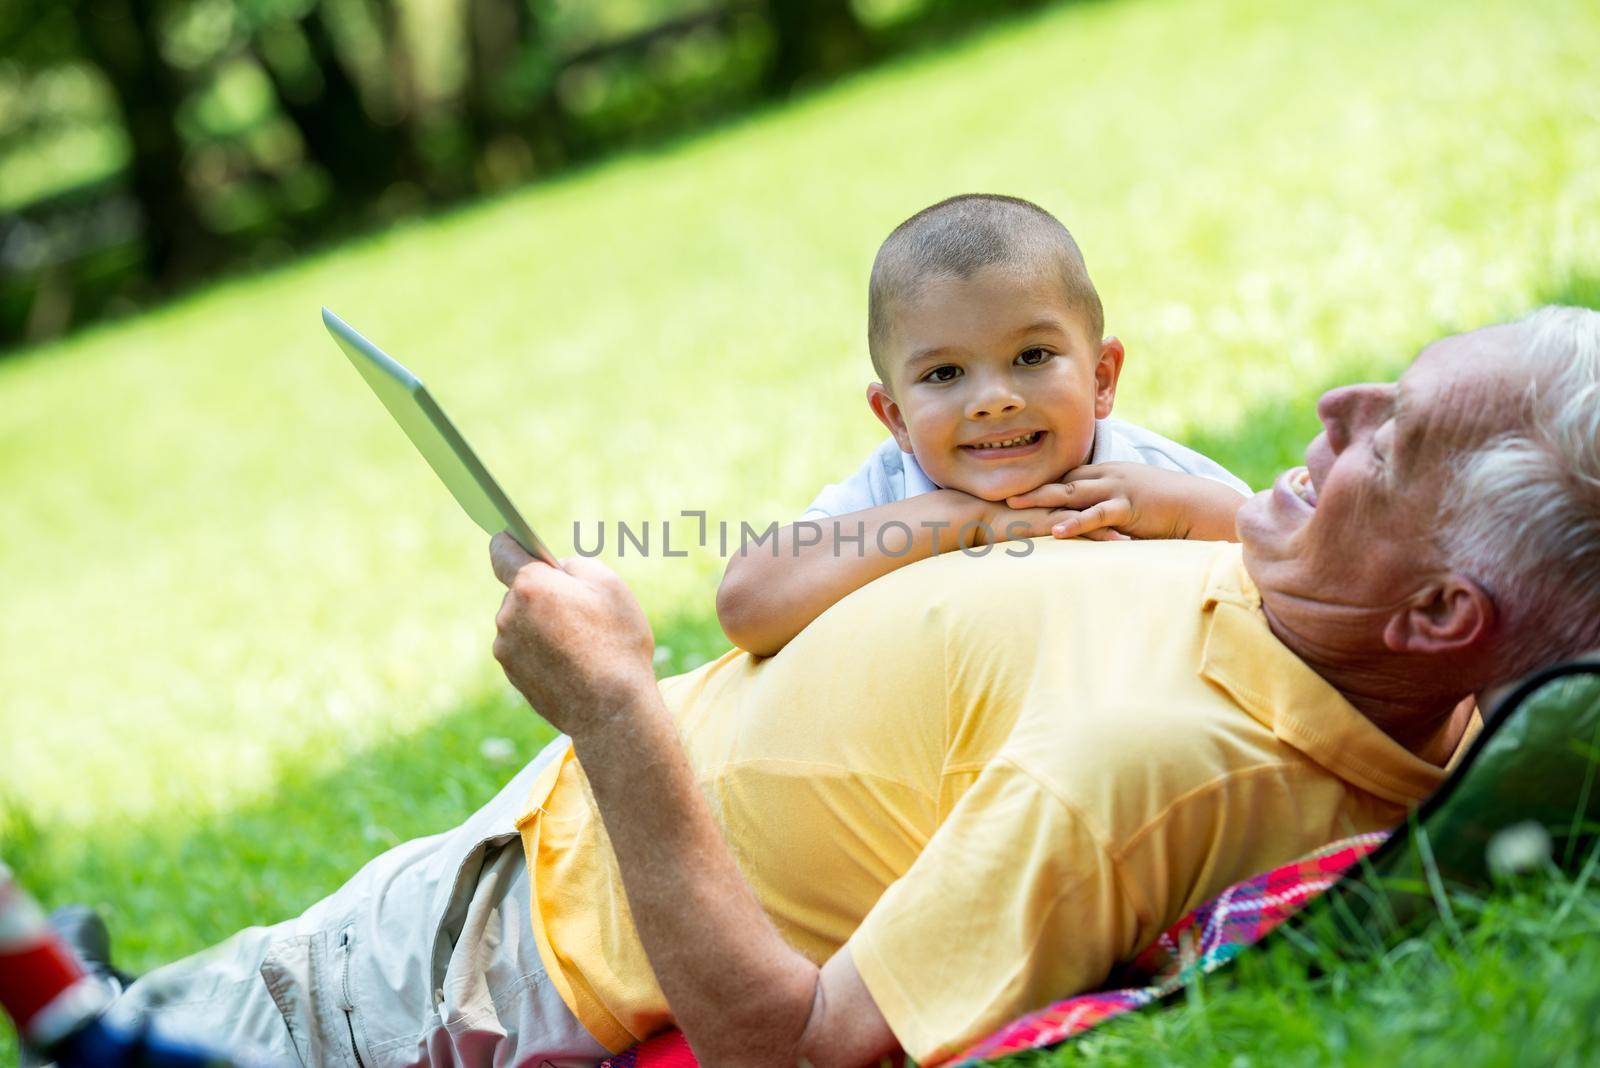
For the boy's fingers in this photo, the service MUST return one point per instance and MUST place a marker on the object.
(1075, 493)
(1088, 491)
(1025, 523)
(1115, 512)
(1085, 473)
(1054, 495)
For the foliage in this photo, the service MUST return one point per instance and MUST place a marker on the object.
(146, 143)
(244, 634)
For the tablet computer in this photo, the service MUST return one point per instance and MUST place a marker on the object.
(440, 443)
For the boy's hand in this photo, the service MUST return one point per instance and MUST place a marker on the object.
(1000, 522)
(1137, 501)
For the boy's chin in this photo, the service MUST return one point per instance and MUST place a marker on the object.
(998, 491)
(997, 485)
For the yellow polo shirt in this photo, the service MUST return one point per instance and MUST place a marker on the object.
(992, 777)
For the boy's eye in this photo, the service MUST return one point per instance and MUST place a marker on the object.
(947, 372)
(1033, 357)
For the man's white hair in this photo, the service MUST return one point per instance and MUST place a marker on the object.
(1522, 515)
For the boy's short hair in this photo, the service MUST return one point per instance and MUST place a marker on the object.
(959, 236)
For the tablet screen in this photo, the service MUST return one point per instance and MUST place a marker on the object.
(431, 431)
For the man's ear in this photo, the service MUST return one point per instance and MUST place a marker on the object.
(888, 412)
(1449, 615)
(1107, 369)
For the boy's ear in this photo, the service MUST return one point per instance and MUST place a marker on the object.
(1107, 369)
(888, 413)
(1450, 615)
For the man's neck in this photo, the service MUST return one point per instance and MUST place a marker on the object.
(1434, 738)
(1382, 686)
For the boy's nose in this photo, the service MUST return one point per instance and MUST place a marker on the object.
(996, 400)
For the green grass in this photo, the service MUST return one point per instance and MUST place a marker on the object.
(1519, 990)
(244, 635)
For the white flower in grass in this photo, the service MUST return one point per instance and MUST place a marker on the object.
(497, 750)
(1518, 848)
(663, 654)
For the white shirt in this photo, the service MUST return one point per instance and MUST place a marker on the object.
(891, 475)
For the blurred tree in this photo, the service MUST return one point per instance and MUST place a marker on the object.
(812, 39)
(121, 39)
(253, 128)
(361, 156)
(509, 104)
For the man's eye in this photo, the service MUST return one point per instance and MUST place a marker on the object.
(1379, 446)
(944, 373)
(1034, 357)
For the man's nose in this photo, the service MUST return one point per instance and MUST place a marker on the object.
(1346, 410)
(995, 396)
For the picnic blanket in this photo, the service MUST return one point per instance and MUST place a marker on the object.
(1200, 942)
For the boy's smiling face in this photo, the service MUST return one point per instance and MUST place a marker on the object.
(995, 385)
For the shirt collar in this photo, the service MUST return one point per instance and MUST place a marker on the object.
(1274, 686)
(1111, 447)
(917, 480)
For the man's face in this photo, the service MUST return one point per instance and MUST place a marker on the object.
(994, 383)
(1337, 545)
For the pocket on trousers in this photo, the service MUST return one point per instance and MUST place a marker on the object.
(286, 971)
(308, 979)
(344, 992)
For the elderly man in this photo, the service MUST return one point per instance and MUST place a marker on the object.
(975, 785)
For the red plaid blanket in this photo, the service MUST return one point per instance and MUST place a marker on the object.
(1201, 942)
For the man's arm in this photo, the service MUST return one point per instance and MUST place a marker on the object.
(768, 596)
(576, 644)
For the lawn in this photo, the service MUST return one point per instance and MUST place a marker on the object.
(244, 635)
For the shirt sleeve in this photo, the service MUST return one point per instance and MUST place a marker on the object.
(879, 480)
(1013, 904)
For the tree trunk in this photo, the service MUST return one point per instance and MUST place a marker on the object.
(811, 40)
(361, 157)
(120, 37)
(512, 116)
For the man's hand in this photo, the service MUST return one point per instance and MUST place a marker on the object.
(573, 640)
(1137, 501)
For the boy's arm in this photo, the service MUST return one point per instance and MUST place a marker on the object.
(1140, 501)
(768, 595)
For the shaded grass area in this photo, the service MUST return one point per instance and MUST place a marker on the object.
(244, 637)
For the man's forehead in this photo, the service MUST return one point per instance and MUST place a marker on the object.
(1462, 387)
(1480, 339)
(1486, 358)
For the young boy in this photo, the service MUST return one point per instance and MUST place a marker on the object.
(996, 385)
